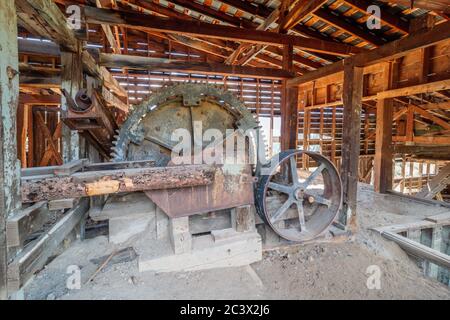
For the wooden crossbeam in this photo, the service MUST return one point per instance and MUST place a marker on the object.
(440, 6)
(389, 51)
(298, 12)
(420, 88)
(426, 114)
(341, 23)
(43, 18)
(83, 184)
(386, 17)
(436, 184)
(160, 64)
(419, 250)
(140, 21)
(35, 256)
(115, 45)
(52, 149)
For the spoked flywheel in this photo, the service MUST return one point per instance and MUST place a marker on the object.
(299, 204)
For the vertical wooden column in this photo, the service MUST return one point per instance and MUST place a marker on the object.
(71, 81)
(9, 96)
(383, 139)
(352, 99)
(289, 105)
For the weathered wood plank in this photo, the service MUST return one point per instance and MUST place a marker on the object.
(420, 88)
(36, 255)
(83, 184)
(352, 98)
(161, 64)
(383, 138)
(61, 204)
(419, 250)
(436, 184)
(70, 167)
(71, 82)
(25, 222)
(9, 95)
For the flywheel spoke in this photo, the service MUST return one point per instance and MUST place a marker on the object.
(280, 187)
(301, 215)
(281, 210)
(314, 175)
(321, 200)
(294, 172)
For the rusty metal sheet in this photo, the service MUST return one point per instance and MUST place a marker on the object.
(232, 187)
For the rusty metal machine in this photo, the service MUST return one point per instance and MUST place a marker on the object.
(87, 114)
(298, 205)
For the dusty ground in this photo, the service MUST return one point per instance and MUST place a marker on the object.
(313, 271)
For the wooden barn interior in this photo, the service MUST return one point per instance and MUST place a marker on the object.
(358, 89)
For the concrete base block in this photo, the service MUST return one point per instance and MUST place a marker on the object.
(124, 228)
(231, 250)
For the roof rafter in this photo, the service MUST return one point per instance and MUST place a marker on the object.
(138, 21)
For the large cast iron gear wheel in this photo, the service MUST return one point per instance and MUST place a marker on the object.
(146, 134)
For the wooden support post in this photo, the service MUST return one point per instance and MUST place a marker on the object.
(383, 137)
(9, 96)
(72, 82)
(352, 99)
(289, 107)
(180, 236)
(243, 219)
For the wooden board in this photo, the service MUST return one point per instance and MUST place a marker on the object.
(34, 257)
(25, 222)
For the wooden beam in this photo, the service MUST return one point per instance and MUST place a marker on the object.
(39, 48)
(427, 152)
(436, 184)
(71, 82)
(341, 23)
(389, 51)
(9, 97)
(352, 98)
(289, 107)
(35, 256)
(140, 21)
(215, 14)
(43, 17)
(161, 64)
(386, 17)
(418, 250)
(298, 12)
(426, 114)
(25, 222)
(83, 184)
(383, 138)
(109, 34)
(49, 99)
(412, 90)
(440, 6)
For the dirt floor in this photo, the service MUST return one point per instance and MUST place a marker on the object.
(313, 271)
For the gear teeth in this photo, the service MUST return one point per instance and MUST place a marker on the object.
(245, 119)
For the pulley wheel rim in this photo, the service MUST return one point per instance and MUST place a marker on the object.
(315, 210)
